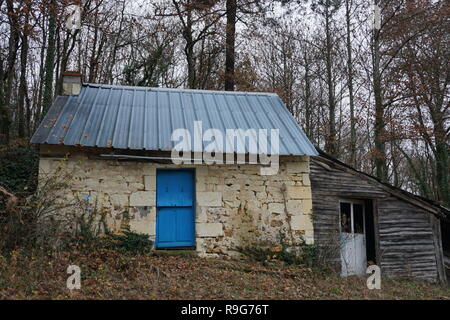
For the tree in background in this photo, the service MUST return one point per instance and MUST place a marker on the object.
(425, 72)
(47, 98)
(377, 100)
(327, 10)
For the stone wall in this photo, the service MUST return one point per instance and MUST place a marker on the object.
(236, 206)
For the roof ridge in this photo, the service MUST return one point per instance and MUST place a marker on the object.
(124, 87)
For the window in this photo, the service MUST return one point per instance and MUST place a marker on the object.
(352, 216)
(346, 225)
(358, 218)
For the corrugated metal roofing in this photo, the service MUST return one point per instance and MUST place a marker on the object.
(142, 118)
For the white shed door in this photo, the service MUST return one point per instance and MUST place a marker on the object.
(353, 238)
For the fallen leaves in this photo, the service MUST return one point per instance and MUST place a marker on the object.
(108, 274)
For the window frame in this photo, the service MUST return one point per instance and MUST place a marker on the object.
(352, 222)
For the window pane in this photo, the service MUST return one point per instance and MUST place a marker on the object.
(358, 218)
(345, 218)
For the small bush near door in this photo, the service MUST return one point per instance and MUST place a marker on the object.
(127, 242)
(300, 254)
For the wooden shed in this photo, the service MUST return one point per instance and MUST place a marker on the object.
(374, 223)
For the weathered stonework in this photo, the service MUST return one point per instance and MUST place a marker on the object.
(142, 198)
(235, 205)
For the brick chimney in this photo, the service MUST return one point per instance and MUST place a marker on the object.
(71, 83)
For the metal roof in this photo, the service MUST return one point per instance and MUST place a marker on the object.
(142, 118)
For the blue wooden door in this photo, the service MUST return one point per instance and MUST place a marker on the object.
(175, 214)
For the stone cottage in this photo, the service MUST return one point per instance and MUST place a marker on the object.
(215, 171)
(206, 170)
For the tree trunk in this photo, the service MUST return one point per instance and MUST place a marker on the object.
(230, 41)
(23, 79)
(189, 51)
(331, 139)
(49, 60)
(379, 128)
(308, 120)
(350, 87)
(442, 159)
(8, 75)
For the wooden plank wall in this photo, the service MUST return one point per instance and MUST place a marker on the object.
(407, 246)
(404, 232)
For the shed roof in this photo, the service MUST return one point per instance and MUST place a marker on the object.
(142, 118)
(432, 206)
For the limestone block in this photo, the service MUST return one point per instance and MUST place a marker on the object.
(298, 192)
(143, 226)
(297, 167)
(150, 183)
(305, 180)
(209, 230)
(229, 195)
(119, 200)
(91, 183)
(136, 186)
(294, 207)
(45, 166)
(201, 171)
(261, 195)
(117, 177)
(247, 195)
(209, 199)
(255, 188)
(217, 214)
(200, 183)
(199, 244)
(111, 186)
(309, 237)
(142, 198)
(307, 206)
(212, 180)
(276, 208)
(129, 178)
(275, 191)
(149, 170)
(232, 187)
(232, 204)
(301, 222)
(201, 215)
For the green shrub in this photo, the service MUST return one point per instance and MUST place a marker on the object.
(42, 220)
(19, 169)
(127, 242)
(260, 252)
(299, 253)
(303, 254)
(18, 173)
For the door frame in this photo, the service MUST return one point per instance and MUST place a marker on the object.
(194, 206)
(376, 231)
